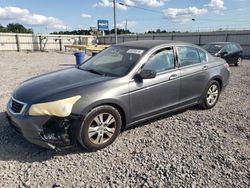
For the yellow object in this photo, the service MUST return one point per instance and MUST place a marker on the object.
(88, 47)
(60, 108)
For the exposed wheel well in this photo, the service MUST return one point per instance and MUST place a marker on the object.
(219, 81)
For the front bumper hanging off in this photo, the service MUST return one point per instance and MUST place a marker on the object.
(46, 131)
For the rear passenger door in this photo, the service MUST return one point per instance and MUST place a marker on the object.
(235, 53)
(228, 55)
(193, 73)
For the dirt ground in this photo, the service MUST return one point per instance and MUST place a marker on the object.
(191, 148)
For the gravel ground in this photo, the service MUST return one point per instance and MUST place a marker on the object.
(191, 148)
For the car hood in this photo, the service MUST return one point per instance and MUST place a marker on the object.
(54, 83)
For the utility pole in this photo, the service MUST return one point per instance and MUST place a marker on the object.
(114, 6)
(126, 25)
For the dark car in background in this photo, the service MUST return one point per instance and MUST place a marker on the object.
(230, 51)
(121, 86)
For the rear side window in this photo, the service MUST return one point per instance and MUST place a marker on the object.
(188, 55)
(234, 48)
(161, 60)
(238, 46)
(203, 56)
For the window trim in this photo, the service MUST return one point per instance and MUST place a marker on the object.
(155, 52)
(144, 60)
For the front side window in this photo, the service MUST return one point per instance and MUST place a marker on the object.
(188, 55)
(161, 60)
(227, 49)
(114, 61)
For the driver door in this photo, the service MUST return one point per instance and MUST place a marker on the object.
(149, 97)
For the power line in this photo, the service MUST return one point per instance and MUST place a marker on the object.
(142, 8)
(194, 19)
(245, 20)
(160, 12)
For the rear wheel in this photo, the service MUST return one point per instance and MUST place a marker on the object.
(212, 95)
(238, 62)
(100, 128)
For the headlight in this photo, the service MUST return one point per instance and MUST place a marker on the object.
(60, 108)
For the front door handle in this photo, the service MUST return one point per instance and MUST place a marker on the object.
(205, 68)
(172, 77)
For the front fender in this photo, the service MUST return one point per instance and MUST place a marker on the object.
(83, 109)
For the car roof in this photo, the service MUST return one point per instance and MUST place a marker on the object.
(222, 43)
(150, 43)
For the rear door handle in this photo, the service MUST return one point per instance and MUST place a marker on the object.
(172, 77)
(205, 68)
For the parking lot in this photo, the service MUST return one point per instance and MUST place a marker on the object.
(191, 148)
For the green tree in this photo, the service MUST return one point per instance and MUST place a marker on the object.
(2, 29)
(17, 28)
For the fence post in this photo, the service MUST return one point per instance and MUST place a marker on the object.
(17, 43)
(199, 39)
(40, 42)
(226, 38)
(60, 43)
(79, 40)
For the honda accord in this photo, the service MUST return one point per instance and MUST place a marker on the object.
(121, 86)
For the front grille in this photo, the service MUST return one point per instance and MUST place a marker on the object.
(17, 107)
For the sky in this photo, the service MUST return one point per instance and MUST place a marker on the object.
(46, 16)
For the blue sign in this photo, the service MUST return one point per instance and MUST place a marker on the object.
(102, 25)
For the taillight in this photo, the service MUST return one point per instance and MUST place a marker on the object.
(226, 65)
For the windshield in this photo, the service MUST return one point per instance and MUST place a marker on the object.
(114, 61)
(213, 47)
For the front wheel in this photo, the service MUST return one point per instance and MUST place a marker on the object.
(100, 128)
(211, 95)
(238, 62)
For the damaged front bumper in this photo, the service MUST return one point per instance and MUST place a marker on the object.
(46, 131)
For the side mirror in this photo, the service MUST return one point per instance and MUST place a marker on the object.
(222, 54)
(145, 74)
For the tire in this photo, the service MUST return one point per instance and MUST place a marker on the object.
(100, 128)
(238, 63)
(211, 96)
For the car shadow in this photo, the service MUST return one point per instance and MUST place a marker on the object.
(14, 147)
(167, 115)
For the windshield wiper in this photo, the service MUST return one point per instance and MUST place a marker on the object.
(93, 71)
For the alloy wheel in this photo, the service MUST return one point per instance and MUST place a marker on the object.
(102, 128)
(239, 61)
(212, 94)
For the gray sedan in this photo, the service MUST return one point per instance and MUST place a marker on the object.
(123, 85)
